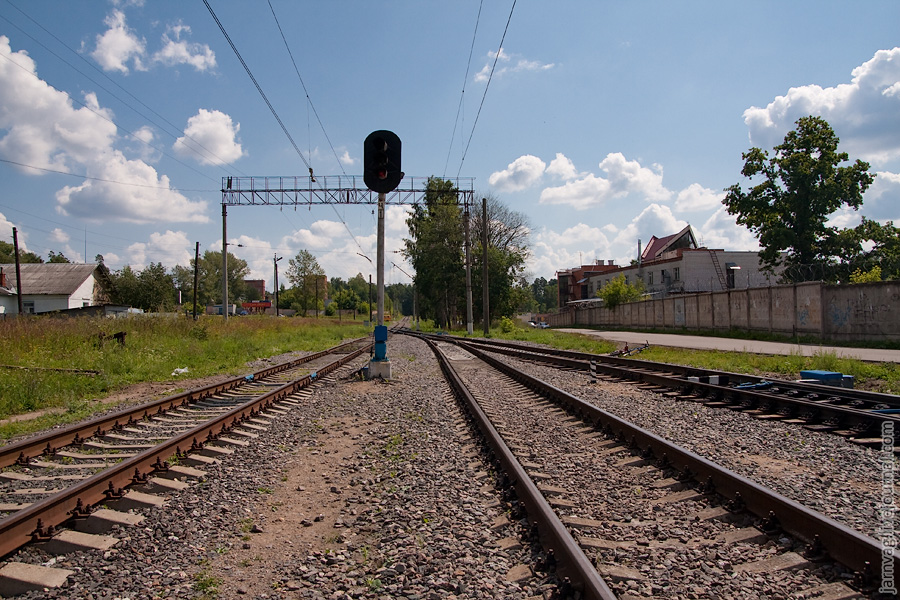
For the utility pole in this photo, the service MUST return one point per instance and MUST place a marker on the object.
(484, 267)
(469, 317)
(370, 297)
(224, 263)
(18, 270)
(196, 275)
(275, 260)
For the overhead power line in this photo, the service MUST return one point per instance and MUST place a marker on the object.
(258, 88)
(480, 106)
(305, 91)
(462, 96)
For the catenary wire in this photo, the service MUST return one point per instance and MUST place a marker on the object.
(256, 83)
(487, 85)
(305, 91)
(462, 96)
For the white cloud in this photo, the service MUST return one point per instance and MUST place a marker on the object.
(865, 113)
(42, 127)
(655, 220)
(319, 236)
(721, 230)
(562, 167)
(519, 174)
(146, 198)
(179, 52)
(6, 227)
(210, 139)
(581, 194)
(44, 130)
(882, 199)
(624, 178)
(346, 159)
(59, 236)
(505, 64)
(696, 197)
(118, 45)
(629, 177)
(169, 248)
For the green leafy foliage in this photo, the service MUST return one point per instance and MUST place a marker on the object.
(796, 191)
(617, 292)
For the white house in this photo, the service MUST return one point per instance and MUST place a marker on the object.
(47, 287)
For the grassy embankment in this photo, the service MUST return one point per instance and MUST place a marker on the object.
(154, 348)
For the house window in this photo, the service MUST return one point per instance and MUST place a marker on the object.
(676, 273)
(28, 307)
(650, 278)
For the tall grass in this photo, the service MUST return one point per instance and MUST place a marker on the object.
(153, 349)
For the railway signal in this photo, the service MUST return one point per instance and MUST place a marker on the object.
(381, 161)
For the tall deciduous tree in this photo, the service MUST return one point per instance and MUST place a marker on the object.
(304, 273)
(798, 188)
(508, 232)
(435, 250)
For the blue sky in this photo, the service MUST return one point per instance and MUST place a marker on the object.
(604, 122)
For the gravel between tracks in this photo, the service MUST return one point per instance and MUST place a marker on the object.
(369, 490)
(820, 470)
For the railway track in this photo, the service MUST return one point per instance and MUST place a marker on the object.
(856, 415)
(61, 477)
(625, 511)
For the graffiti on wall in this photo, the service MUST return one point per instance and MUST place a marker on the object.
(861, 311)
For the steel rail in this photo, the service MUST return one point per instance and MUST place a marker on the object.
(553, 534)
(843, 544)
(47, 443)
(39, 520)
(844, 394)
(814, 411)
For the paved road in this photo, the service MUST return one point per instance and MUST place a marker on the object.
(714, 343)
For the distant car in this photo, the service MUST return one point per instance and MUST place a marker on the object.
(543, 325)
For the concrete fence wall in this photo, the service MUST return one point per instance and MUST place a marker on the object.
(869, 311)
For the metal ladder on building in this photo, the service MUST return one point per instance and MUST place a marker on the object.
(718, 267)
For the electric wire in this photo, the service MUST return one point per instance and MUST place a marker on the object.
(256, 83)
(311, 105)
(305, 91)
(463, 94)
(209, 152)
(488, 85)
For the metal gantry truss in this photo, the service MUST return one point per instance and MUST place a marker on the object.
(330, 189)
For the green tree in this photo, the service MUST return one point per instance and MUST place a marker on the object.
(435, 250)
(8, 255)
(798, 189)
(305, 276)
(209, 279)
(871, 244)
(507, 233)
(57, 258)
(150, 289)
(617, 291)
